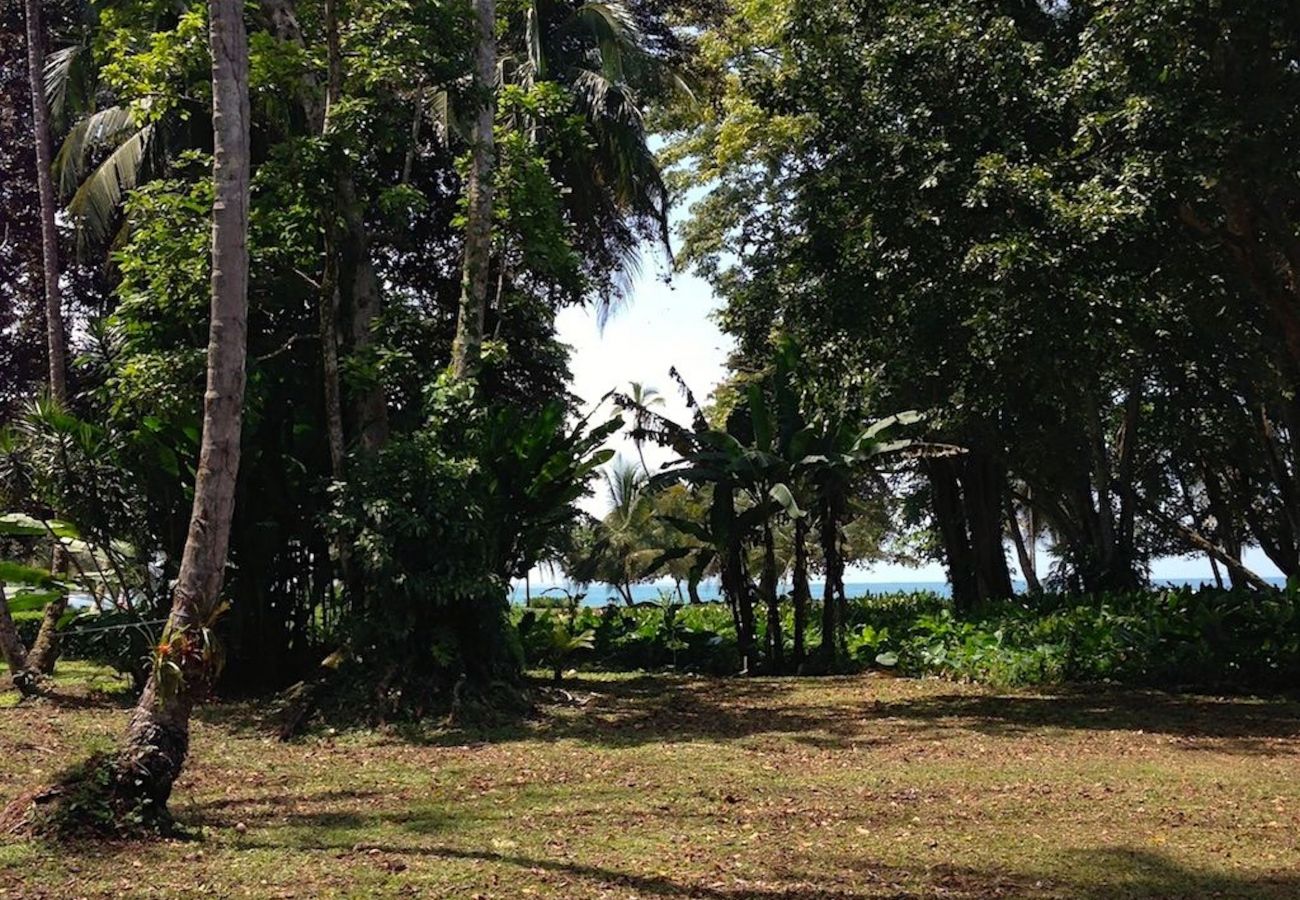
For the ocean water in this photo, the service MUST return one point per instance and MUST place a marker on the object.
(600, 595)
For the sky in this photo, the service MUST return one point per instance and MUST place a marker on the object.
(668, 323)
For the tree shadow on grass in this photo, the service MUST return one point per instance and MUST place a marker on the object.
(1138, 873)
(59, 697)
(1101, 873)
(653, 710)
(624, 713)
(1237, 724)
(1114, 872)
(619, 714)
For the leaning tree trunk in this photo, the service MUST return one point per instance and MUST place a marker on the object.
(12, 650)
(1027, 567)
(46, 646)
(466, 351)
(45, 649)
(157, 739)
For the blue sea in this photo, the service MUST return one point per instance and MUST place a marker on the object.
(600, 595)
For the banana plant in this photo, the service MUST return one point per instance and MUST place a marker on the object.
(768, 454)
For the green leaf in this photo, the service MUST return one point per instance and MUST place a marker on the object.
(888, 659)
(23, 525)
(781, 494)
(910, 417)
(20, 573)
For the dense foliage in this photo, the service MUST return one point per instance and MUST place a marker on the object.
(1065, 230)
(1167, 638)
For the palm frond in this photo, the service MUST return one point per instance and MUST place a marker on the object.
(106, 127)
(443, 115)
(95, 203)
(533, 37)
(612, 27)
(60, 71)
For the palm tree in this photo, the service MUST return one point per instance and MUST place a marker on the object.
(625, 527)
(839, 451)
(157, 740)
(644, 400)
(614, 192)
(715, 457)
(106, 150)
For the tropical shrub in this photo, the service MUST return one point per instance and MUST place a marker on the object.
(1232, 639)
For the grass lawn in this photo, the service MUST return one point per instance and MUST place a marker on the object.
(697, 788)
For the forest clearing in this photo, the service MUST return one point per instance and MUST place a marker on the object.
(662, 786)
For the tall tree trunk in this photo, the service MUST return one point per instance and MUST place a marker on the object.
(799, 587)
(330, 303)
(45, 649)
(329, 294)
(157, 739)
(353, 288)
(466, 351)
(775, 640)
(57, 342)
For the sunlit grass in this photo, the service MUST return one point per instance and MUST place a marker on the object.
(660, 787)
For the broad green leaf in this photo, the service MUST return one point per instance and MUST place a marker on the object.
(781, 494)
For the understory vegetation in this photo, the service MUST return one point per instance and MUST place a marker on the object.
(1168, 638)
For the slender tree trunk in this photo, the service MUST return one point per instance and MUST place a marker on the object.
(1214, 570)
(466, 351)
(45, 650)
(1027, 567)
(157, 739)
(740, 588)
(354, 288)
(799, 587)
(330, 303)
(775, 639)
(58, 351)
(329, 294)
(830, 541)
